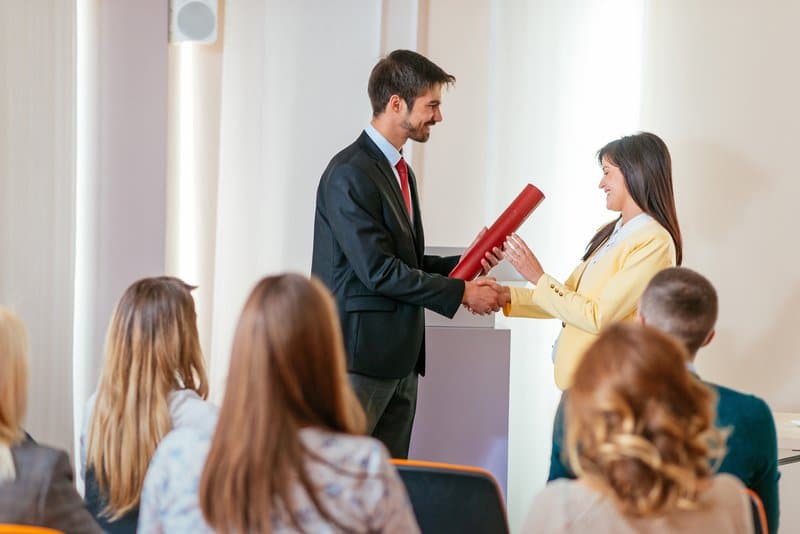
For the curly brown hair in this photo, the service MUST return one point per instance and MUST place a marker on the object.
(639, 426)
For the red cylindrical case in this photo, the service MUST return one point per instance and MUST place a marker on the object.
(509, 221)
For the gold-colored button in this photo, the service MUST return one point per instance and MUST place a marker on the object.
(552, 286)
(560, 294)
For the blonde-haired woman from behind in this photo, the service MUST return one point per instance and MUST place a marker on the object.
(153, 380)
(36, 483)
(288, 453)
(641, 438)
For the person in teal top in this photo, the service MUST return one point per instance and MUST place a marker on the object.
(683, 303)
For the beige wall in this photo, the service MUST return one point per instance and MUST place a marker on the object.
(721, 85)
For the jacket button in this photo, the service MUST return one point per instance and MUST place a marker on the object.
(560, 294)
(552, 286)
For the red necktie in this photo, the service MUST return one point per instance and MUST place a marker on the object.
(402, 170)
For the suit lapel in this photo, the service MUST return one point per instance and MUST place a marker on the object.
(419, 237)
(396, 195)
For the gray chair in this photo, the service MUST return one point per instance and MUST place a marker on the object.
(453, 499)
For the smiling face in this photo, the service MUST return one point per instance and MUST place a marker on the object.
(613, 185)
(425, 113)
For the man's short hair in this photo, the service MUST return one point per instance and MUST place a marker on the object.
(682, 303)
(406, 74)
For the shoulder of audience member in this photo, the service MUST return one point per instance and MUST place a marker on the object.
(358, 454)
(188, 409)
(549, 510)
(32, 457)
(749, 408)
(727, 488)
(183, 438)
(181, 451)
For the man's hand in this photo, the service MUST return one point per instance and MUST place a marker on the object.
(482, 296)
(490, 259)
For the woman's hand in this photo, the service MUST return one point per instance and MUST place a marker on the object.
(520, 256)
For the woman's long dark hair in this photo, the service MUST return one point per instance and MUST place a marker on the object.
(645, 163)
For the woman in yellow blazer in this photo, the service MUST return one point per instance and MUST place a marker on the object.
(619, 260)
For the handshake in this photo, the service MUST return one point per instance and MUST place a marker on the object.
(484, 295)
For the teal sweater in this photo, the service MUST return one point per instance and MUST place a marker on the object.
(752, 447)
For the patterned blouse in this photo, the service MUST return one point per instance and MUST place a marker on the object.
(372, 499)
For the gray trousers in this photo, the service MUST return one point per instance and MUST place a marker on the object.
(390, 405)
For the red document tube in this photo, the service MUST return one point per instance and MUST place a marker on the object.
(509, 221)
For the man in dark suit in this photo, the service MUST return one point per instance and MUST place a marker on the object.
(683, 303)
(369, 248)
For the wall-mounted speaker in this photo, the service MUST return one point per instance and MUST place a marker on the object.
(193, 20)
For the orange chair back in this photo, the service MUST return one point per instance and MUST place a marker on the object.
(26, 529)
(759, 514)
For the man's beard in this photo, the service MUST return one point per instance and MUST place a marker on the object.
(418, 133)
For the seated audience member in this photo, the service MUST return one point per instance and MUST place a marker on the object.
(286, 455)
(640, 435)
(153, 380)
(36, 484)
(683, 303)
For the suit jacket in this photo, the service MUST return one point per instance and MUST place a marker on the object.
(43, 492)
(609, 292)
(752, 454)
(371, 256)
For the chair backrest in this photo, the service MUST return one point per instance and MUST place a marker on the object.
(452, 498)
(759, 514)
(6, 528)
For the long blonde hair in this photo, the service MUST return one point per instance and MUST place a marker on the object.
(639, 425)
(287, 372)
(13, 387)
(152, 349)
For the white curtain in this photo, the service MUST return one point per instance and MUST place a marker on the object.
(293, 94)
(37, 179)
(83, 92)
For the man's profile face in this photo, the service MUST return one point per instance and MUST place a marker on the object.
(425, 113)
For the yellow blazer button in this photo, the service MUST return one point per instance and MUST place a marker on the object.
(552, 286)
(560, 294)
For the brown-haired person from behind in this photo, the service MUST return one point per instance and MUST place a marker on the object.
(153, 380)
(642, 440)
(287, 454)
(36, 483)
